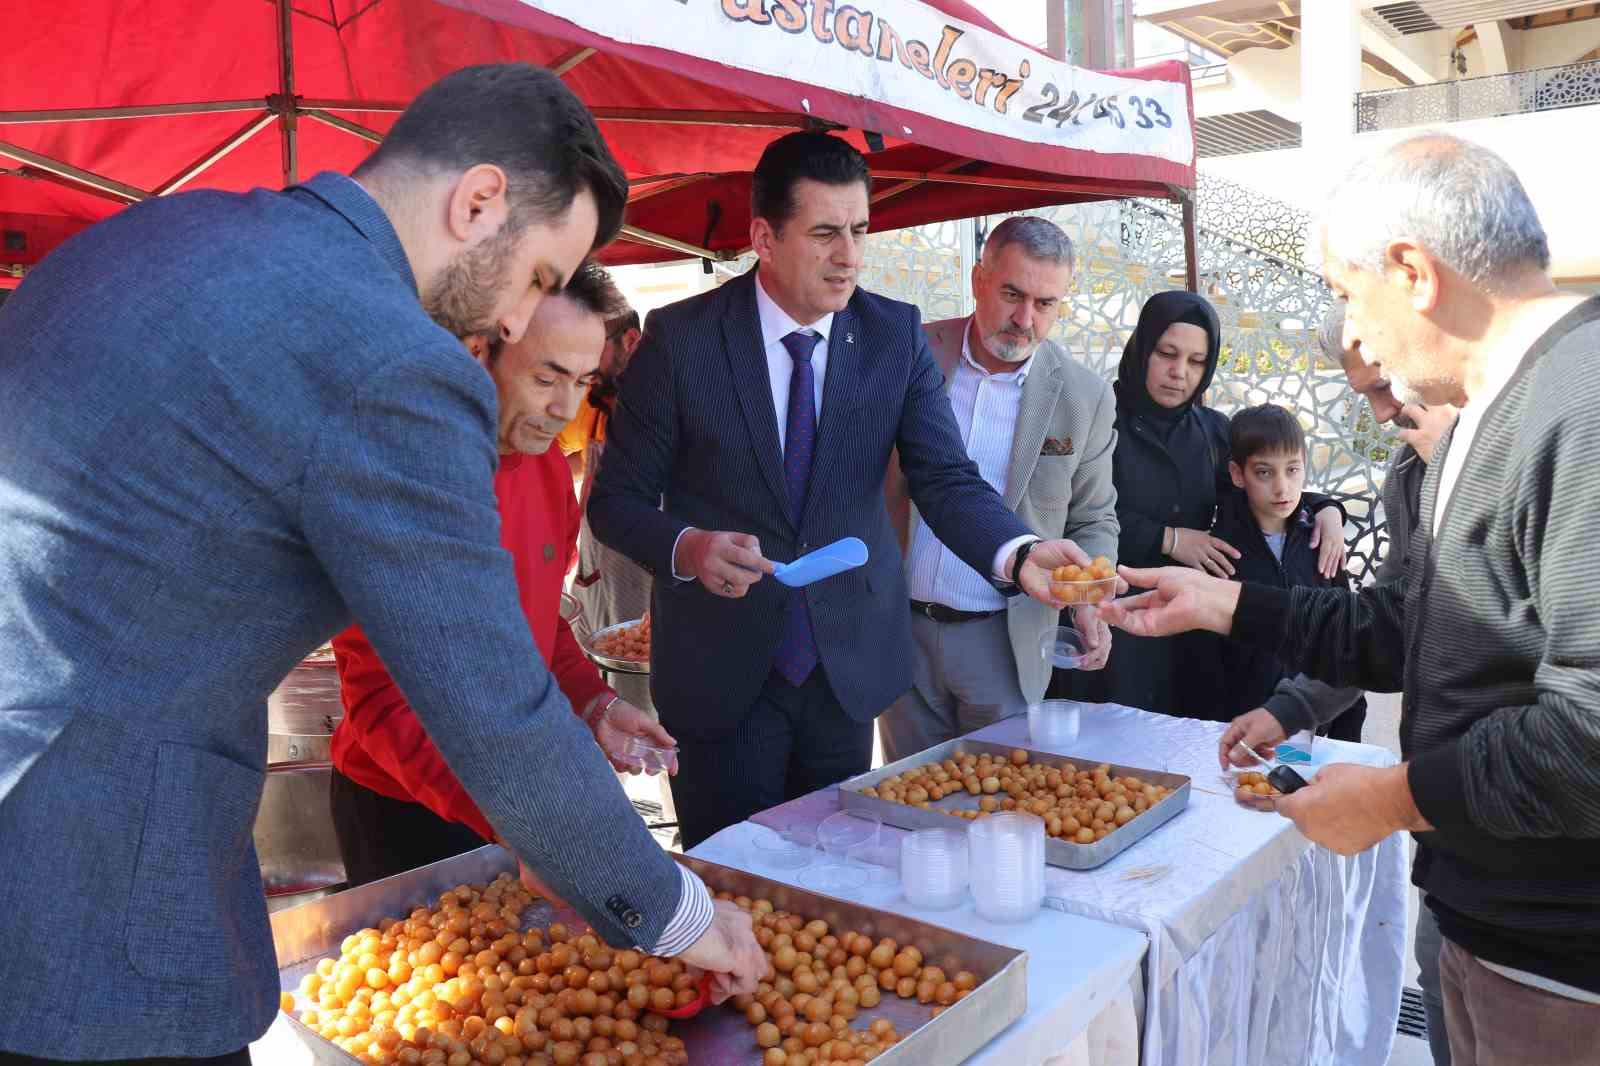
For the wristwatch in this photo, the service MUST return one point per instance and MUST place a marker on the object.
(1021, 557)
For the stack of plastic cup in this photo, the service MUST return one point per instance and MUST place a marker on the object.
(1007, 866)
(933, 868)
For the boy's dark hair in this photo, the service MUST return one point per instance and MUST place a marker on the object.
(803, 155)
(526, 121)
(1268, 429)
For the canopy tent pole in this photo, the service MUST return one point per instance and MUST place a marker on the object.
(665, 185)
(906, 186)
(354, 128)
(644, 236)
(1191, 252)
(215, 155)
(92, 114)
(286, 105)
(76, 176)
(570, 60)
(994, 182)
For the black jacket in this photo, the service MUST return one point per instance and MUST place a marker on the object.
(1249, 674)
(1163, 480)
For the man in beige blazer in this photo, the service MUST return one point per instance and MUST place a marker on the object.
(1040, 428)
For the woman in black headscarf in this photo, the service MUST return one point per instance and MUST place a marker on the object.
(1170, 464)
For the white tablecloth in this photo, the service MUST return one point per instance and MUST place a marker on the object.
(1264, 950)
(1082, 974)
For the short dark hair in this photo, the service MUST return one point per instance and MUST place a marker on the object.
(803, 155)
(617, 325)
(526, 121)
(591, 288)
(1265, 430)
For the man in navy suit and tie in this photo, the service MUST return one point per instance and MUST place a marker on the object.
(754, 424)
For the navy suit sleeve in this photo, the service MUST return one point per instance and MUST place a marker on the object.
(961, 508)
(641, 440)
(398, 505)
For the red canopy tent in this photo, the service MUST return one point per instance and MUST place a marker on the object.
(107, 102)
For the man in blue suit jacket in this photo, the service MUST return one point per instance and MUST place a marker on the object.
(755, 423)
(229, 425)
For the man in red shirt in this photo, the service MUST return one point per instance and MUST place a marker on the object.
(396, 805)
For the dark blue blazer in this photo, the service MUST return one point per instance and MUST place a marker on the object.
(227, 427)
(694, 442)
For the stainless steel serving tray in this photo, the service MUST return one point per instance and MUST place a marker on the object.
(1056, 852)
(587, 640)
(314, 930)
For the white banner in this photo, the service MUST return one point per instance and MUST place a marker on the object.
(907, 54)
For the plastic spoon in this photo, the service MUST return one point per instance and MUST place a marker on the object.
(1281, 778)
(835, 558)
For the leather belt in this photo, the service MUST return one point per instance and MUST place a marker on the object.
(938, 612)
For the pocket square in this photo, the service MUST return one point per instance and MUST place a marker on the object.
(1056, 446)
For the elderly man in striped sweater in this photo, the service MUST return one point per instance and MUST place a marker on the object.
(1493, 633)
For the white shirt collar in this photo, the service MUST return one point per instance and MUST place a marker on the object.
(1019, 375)
(776, 323)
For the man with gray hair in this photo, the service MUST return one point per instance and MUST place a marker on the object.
(1302, 702)
(1491, 632)
(1039, 426)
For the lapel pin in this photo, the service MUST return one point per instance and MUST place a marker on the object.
(849, 338)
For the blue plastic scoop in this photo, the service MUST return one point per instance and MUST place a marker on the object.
(835, 558)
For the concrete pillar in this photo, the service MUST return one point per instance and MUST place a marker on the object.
(1497, 39)
(1330, 77)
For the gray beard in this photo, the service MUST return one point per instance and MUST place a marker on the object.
(1009, 350)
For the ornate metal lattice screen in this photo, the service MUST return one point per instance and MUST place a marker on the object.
(1251, 253)
(1516, 93)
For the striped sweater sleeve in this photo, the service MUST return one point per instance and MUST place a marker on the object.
(1534, 770)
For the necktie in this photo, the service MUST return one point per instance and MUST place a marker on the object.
(797, 648)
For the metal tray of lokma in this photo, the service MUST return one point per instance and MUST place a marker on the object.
(312, 931)
(1056, 852)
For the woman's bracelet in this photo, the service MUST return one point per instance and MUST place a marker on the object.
(1169, 540)
(598, 707)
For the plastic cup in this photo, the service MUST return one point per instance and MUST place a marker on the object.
(1007, 861)
(1054, 723)
(648, 757)
(845, 835)
(934, 868)
(881, 861)
(1084, 593)
(1062, 646)
(835, 878)
(790, 850)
